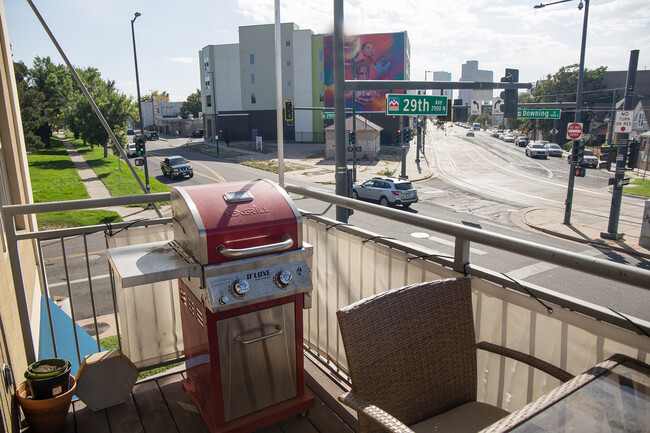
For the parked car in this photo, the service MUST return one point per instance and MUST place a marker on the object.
(589, 160)
(175, 166)
(387, 191)
(554, 149)
(522, 141)
(129, 131)
(470, 133)
(136, 136)
(536, 150)
(131, 150)
(198, 133)
(152, 135)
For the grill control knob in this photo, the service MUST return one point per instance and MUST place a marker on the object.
(283, 279)
(240, 288)
(224, 299)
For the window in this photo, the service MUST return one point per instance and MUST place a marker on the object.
(252, 78)
(206, 63)
(321, 76)
(207, 81)
(288, 83)
(321, 56)
(208, 100)
(288, 63)
(321, 96)
(252, 59)
(288, 43)
(253, 100)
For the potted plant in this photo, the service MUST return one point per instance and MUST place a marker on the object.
(46, 393)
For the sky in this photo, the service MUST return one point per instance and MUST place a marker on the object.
(443, 34)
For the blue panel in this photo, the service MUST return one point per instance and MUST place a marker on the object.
(64, 337)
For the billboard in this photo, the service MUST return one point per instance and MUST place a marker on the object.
(367, 57)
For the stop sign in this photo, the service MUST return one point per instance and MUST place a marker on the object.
(574, 131)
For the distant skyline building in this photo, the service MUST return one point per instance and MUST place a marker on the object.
(471, 72)
(443, 76)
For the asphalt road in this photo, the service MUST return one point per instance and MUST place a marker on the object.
(482, 182)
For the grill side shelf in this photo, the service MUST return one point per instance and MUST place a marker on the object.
(153, 262)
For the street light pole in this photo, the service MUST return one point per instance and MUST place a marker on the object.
(137, 83)
(578, 112)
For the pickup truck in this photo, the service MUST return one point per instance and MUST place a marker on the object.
(175, 166)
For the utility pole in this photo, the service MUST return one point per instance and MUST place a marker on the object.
(404, 144)
(619, 175)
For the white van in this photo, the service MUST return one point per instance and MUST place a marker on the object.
(476, 126)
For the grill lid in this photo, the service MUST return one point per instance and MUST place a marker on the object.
(228, 221)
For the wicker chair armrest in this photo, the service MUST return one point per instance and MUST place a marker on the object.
(383, 418)
(544, 366)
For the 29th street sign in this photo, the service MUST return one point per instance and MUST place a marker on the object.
(416, 105)
(538, 114)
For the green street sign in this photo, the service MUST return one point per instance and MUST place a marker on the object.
(327, 115)
(535, 113)
(416, 105)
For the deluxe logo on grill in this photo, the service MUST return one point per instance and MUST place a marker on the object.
(248, 211)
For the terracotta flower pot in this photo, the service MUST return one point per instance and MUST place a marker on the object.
(47, 415)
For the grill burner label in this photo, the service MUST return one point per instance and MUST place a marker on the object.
(255, 210)
(258, 274)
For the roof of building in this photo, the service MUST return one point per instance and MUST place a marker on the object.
(363, 124)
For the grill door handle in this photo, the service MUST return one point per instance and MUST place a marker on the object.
(263, 337)
(286, 243)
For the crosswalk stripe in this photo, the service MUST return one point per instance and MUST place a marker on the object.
(450, 243)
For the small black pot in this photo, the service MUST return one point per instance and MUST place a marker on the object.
(48, 384)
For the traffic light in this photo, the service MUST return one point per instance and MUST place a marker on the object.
(510, 96)
(633, 155)
(580, 171)
(288, 111)
(352, 138)
(407, 135)
(398, 137)
(139, 146)
(579, 151)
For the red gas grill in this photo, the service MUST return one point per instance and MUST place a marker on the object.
(242, 320)
(241, 306)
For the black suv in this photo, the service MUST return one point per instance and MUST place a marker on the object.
(197, 133)
(152, 135)
(175, 166)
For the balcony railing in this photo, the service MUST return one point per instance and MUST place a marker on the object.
(349, 264)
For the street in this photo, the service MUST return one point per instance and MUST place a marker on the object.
(480, 181)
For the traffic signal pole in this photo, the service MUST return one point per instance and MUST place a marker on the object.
(576, 118)
(617, 189)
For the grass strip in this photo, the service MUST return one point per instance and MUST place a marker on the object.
(54, 177)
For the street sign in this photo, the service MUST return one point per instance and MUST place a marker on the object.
(327, 115)
(574, 131)
(476, 107)
(625, 181)
(623, 122)
(496, 106)
(554, 131)
(528, 113)
(416, 105)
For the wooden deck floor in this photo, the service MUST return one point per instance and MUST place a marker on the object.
(161, 406)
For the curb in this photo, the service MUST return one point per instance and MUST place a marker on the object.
(593, 242)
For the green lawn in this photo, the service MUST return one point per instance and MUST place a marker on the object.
(54, 177)
(111, 342)
(117, 178)
(641, 188)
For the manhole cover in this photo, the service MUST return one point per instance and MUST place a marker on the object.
(101, 327)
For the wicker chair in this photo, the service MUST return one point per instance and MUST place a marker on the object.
(412, 358)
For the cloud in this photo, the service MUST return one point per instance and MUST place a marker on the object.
(182, 59)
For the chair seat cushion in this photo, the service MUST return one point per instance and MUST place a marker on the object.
(469, 417)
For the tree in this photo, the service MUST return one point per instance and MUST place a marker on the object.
(160, 96)
(562, 87)
(36, 128)
(191, 105)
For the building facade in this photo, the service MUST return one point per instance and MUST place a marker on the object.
(471, 72)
